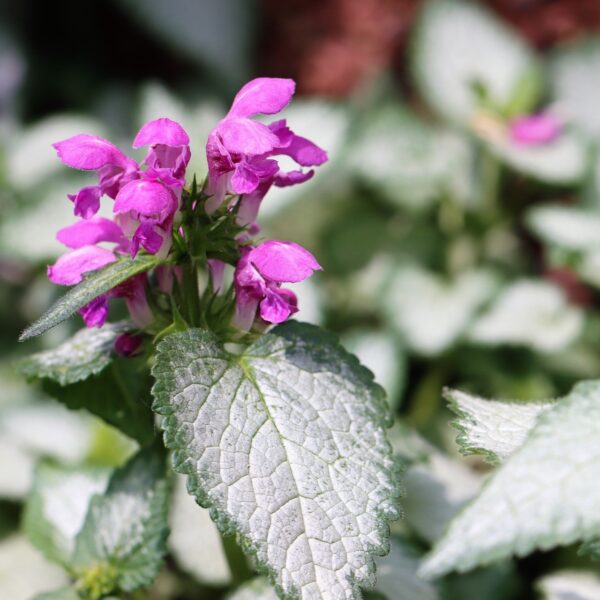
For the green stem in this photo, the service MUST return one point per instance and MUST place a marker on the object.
(491, 171)
(191, 294)
(238, 565)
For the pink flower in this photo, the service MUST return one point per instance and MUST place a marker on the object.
(146, 199)
(93, 153)
(533, 130)
(127, 344)
(239, 150)
(258, 278)
(145, 211)
(169, 152)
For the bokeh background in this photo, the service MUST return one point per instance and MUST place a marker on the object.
(452, 255)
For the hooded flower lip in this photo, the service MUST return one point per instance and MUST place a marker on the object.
(147, 209)
(70, 268)
(169, 154)
(91, 231)
(258, 278)
(240, 151)
(536, 129)
(161, 131)
(90, 153)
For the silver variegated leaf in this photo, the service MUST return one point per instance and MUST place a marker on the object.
(285, 443)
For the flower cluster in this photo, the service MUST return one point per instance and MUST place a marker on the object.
(150, 200)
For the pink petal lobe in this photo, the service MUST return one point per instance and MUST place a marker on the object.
(263, 95)
(90, 231)
(244, 180)
(243, 136)
(284, 179)
(283, 261)
(86, 201)
(304, 152)
(147, 198)
(275, 308)
(537, 129)
(89, 152)
(161, 131)
(70, 268)
(95, 312)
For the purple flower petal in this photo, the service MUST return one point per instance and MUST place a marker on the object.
(283, 261)
(95, 312)
(86, 201)
(264, 95)
(243, 136)
(127, 344)
(148, 237)
(283, 179)
(276, 308)
(89, 232)
(244, 179)
(70, 268)
(304, 152)
(161, 131)
(147, 198)
(89, 152)
(245, 310)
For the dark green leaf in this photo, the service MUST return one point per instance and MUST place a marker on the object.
(120, 395)
(87, 353)
(123, 540)
(57, 506)
(93, 286)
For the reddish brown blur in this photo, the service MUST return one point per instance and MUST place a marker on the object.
(331, 46)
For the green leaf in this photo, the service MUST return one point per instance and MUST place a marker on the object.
(24, 572)
(432, 313)
(396, 578)
(286, 444)
(87, 353)
(397, 575)
(560, 162)
(574, 72)
(491, 427)
(591, 549)
(539, 498)
(255, 589)
(420, 163)
(57, 506)
(530, 313)
(570, 585)
(195, 542)
(123, 539)
(465, 59)
(120, 395)
(91, 287)
(60, 594)
(436, 488)
(569, 227)
(382, 353)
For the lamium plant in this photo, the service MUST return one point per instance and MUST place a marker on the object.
(279, 431)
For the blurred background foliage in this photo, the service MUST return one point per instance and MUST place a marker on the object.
(452, 255)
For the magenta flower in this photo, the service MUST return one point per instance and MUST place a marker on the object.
(239, 150)
(258, 278)
(145, 211)
(533, 130)
(169, 153)
(93, 153)
(127, 344)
